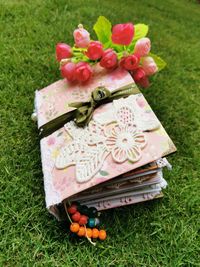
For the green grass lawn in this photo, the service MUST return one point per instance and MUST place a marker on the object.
(159, 233)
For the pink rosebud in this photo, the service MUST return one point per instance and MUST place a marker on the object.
(81, 37)
(144, 82)
(95, 50)
(149, 66)
(68, 71)
(140, 77)
(109, 59)
(83, 72)
(122, 34)
(130, 62)
(138, 74)
(63, 51)
(143, 46)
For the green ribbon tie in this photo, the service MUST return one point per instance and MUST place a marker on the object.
(84, 110)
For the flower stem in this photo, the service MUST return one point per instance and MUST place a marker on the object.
(120, 55)
(76, 49)
(77, 53)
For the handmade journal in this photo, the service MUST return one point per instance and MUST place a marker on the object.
(101, 144)
(103, 157)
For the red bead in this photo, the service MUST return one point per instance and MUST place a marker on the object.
(76, 216)
(72, 209)
(83, 220)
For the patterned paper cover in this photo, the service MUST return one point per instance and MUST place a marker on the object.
(123, 135)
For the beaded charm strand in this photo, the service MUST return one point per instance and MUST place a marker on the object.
(84, 221)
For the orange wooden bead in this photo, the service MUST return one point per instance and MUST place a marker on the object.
(74, 227)
(81, 231)
(95, 233)
(88, 232)
(102, 234)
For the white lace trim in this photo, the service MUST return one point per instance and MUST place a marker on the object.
(52, 196)
(163, 162)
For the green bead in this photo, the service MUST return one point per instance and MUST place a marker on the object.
(91, 222)
(92, 212)
(83, 210)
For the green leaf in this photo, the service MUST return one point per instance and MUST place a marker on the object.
(102, 29)
(117, 48)
(141, 31)
(161, 64)
(103, 173)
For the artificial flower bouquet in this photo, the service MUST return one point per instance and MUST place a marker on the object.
(123, 45)
(101, 144)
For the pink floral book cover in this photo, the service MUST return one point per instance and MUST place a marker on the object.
(122, 136)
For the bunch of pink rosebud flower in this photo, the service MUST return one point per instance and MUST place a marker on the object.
(87, 51)
(76, 62)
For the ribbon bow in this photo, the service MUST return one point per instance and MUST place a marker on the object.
(84, 110)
